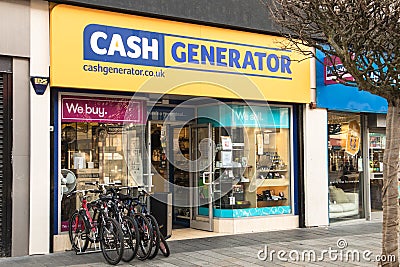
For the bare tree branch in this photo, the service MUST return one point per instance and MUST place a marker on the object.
(364, 34)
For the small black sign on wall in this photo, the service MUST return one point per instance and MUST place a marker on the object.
(39, 84)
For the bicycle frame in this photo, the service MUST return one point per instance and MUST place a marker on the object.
(84, 207)
(93, 226)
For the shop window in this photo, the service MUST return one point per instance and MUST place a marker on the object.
(98, 150)
(345, 165)
(377, 144)
(252, 163)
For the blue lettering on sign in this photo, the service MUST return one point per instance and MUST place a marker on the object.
(128, 46)
(221, 56)
(120, 45)
(229, 57)
(178, 56)
(209, 55)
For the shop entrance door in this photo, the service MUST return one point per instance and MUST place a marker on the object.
(201, 182)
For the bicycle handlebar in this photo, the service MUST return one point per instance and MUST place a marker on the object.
(85, 191)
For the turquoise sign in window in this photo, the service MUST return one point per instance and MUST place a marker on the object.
(249, 212)
(245, 116)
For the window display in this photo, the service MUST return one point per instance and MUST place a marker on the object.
(272, 168)
(103, 146)
(345, 165)
(253, 173)
(377, 144)
(252, 163)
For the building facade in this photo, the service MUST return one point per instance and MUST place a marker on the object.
(356, 125)
(214, 103)
(205, 122)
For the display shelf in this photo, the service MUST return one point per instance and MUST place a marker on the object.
(274, 182)
(232, 169)
(237, 144)
(376, 159)
(344, 182)
(272, 170)
(183, 217)
(273, 195)
(272, 203)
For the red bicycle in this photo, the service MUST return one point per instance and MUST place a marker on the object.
(99, 228)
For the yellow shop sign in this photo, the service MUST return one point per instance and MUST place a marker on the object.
(109, 51)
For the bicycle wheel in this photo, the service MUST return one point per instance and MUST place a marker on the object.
(111, 241)
(156, 236)
(164, 248)
(146, 236)
(131, 238)
(78, 232)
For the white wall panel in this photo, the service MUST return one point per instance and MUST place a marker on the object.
(316, 167)
(39, 233)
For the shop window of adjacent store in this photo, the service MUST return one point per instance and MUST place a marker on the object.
(377, 144)
(252, 161)
(97, 147)
(345, 166)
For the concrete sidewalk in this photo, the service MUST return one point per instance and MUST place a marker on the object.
(336, 245)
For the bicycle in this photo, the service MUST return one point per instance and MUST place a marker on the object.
(154, 224)
(158, 241)
(144, 226)
(83, 228)
(129, 226)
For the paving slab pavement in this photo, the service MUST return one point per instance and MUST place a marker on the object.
(350, 244)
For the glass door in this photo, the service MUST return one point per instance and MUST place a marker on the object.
(136, 143)
(180, 173)
(201, 182)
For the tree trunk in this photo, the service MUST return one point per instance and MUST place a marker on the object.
(390, 193)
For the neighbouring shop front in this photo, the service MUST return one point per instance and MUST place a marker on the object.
(356, 141)
(188, 111)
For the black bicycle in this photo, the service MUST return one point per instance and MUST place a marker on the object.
(99, 228)
(129, 226)
(139, 204)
